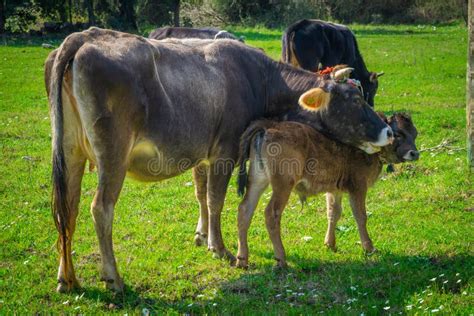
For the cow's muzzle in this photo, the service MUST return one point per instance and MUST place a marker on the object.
(385, 138)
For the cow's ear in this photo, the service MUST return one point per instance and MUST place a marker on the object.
(375, 76)
(314, 99)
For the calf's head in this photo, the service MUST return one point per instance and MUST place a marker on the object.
(403, 147)
(344, 115)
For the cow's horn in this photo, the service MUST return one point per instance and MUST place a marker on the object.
(343, 73)
(380, 74)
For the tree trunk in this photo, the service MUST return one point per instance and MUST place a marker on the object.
(90, 11)
(2, 17)
(176, 12)
(127, 14)
(70, 11)
(470, 89)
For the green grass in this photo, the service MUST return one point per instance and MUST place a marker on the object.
(421, 217)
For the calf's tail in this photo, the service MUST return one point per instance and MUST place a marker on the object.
(255, 131)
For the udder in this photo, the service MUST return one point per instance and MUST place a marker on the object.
(148, 164)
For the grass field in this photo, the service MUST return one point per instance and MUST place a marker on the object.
(421, 218)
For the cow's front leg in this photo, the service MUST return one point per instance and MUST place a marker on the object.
(200, 174)
(334, 210)
(357, 200)
(218, 179)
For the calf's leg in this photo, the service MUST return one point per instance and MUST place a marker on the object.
(357, 201)
(334, 210)
(273, 214)
(200, 174)
(257, 183)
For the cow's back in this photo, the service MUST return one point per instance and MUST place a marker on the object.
(183, 32)
(315, 42)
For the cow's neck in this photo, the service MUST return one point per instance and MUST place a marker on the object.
(284, 86)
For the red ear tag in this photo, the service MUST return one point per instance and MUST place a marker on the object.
(326, 71)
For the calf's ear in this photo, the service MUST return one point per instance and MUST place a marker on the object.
(382, 116)
(314, 99)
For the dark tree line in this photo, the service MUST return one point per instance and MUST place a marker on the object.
(22, 15)
(133, 15)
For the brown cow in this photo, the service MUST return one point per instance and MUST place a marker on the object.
(291, 155)
(152, 110)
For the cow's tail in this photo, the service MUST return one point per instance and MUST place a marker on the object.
(288, 47)
(59, 204)
(255, 130)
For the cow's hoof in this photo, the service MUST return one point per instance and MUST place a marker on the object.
(115, 286)
(200, 239)
(242, 263)
(67, 287)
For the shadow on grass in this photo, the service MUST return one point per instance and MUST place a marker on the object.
(364, 284)
(309, 285)
(31, 41)
(387, 31)
(129, 299)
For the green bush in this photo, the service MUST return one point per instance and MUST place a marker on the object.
(397, 11)
(21, 19)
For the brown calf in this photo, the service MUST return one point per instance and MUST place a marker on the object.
(293, 156)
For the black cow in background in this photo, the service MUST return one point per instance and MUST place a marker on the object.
(314, 45)
(189, 32)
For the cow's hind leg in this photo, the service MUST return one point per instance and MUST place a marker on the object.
(334, 210)
(200, 174)
(111, 155)
(102, 209)
(75, 162)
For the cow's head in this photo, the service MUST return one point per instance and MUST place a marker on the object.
(403, 147)
(372, 86)
(344, 115)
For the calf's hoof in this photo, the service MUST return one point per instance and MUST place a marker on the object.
(280, 264)
(331, 247)
(369, 249)
(67, 286)
(114, 285)
(200, 239)
(223, 254)
(370, 252)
